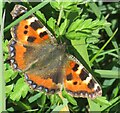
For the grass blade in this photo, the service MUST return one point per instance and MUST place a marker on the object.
(103, 46)
(97, 12)
(39, 6)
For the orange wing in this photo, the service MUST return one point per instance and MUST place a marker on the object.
(80, 83)
(31, 42)
(26, 36)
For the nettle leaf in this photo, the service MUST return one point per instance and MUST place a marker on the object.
(69, 5)
(75, 35)
(20, 90)
(63, 27)
(92, 40)
(57, 5)
(41, 15)
(8, 89)
(51, 23)
(10, 75)
(85, 28)
(75, 25)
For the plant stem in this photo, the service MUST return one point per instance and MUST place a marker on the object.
(103, 46)
(60, 15)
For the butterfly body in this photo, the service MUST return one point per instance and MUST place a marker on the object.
(45, 64)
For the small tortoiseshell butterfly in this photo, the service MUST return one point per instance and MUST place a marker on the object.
(45, 64)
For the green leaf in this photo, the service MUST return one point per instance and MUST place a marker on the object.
(81, 48)
(20, 90)
(108, 73)
(54, 99)
(102, 101)
(115, 92)
(5, 46)
(85, 28)
(55, 5)
(11, 109)
(34, 98)
(63, 27)
(51, 23)
(111, 104)
(75, 25)
(9, 74)
(60, 107)
(41, 15)
(109, 82)
(67, 5)
(9, 89)
(41, 101)
(75, 36)
(94, 106)
(69, 98)
(92, 40)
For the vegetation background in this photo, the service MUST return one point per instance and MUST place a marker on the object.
(91, 33)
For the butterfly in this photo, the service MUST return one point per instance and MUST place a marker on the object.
(45, 64)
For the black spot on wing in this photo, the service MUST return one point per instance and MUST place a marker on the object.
(83, 75)
(75, 68)
(42, 34)
(31, 39)
(69, 77)
(25, 32)
(75, 83)
(26, 26)
(36, 24)
(91, 84)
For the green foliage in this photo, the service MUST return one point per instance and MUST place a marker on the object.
(88, 36)
(85, 28)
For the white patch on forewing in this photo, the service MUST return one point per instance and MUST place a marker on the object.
(87, 80)
(95, 87)
(90, 75)
(79, 69)
(30, 20)
(41, 30)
